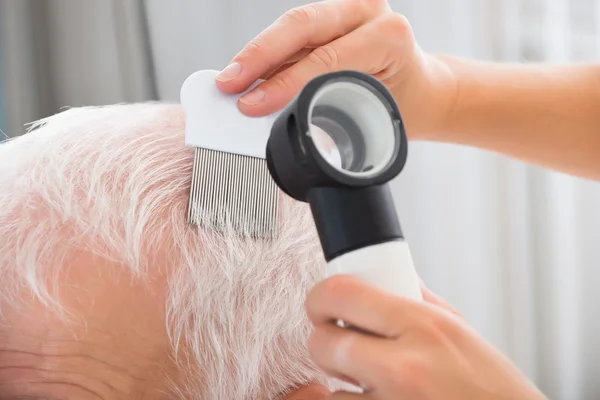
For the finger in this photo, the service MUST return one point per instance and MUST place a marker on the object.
(288, 63)
(432, 298)
(312, 392)
(371, 48)
(309, 25)
(279, 70)
(363, 306)
(344, 352)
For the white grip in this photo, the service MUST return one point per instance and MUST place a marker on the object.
(388, 266)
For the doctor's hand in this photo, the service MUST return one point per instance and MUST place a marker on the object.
(333, 35)
(422, 351)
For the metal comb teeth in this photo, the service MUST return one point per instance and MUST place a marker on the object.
(233, 192)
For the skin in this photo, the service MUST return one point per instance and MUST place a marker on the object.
(319, 392)
(543, 114)
(547, 115)
(417, 350)
(114, 346)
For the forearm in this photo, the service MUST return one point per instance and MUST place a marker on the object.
(546, 115)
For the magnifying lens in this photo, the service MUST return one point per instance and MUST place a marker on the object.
(337, 145)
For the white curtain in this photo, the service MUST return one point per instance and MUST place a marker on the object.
(58, 53)
(516, 248)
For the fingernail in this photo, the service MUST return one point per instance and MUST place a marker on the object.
(253, 98)
(230, 72)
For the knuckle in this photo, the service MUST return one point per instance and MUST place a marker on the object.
(253, 47)
(397, 24)
(325, 56)
(373, 5)
(338, 286)
(285, 81)
(303, 15)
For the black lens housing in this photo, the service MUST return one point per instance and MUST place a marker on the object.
(350, 211)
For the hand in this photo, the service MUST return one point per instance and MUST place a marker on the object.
(422, 351)
(316, 391)
(333, 35)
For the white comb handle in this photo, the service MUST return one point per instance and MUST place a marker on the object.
(214, 121)
(389, 266)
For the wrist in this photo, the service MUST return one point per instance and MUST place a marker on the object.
(444, 83)
(428, 97)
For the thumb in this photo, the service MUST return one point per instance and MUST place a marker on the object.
(309, 392)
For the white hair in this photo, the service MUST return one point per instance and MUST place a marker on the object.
(115, 181)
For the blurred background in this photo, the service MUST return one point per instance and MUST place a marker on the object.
(514, 247)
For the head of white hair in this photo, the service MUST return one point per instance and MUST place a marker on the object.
(114, 181)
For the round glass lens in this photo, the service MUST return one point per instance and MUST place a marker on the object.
(338, 139)
(352, 128)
